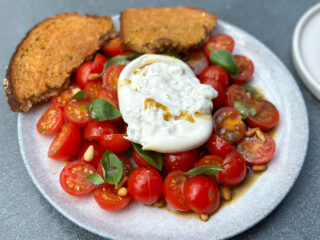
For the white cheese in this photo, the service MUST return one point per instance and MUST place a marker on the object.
(164, 104)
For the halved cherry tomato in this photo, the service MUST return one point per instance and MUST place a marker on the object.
(115, 142)
(173, 191)
(218, 42)
(110, 96)
(94, 130)
(98, 63)
(139, 160)
(267, 114)
(245, 69)
(97, 154)
(112, 47)
(110, 77)
(63, 97)
(227, 124)
(256, 151)
(201, 194)
(66, 144)
(92, 88)
(73, 178)
(233, 165)
(182, 161)
(235, 93)
(107, 198)
(220, 100)
(144, 185)
(76, 112)
(50, 121)
(216, 74)
(83, 73)
(196, 60)
(216, 145)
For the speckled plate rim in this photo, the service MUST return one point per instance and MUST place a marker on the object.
(236, 230)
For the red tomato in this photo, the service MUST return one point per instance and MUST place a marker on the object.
(76, 112)
(255, 151)
(98, 63)
(92, 88)
(216, 74)
(218, 42)
(182, 161)
(63, 97)
(66, 144)
(107, 198)
(111, 97)
(50, 121)
(227, 124)
(220, 100)
(144, 185)
(233, 165)
(201, 194)
(245, 69)
(216, 145)
(114, 142)
(94, 130)
(267, 114)
(235, 93)
(140, 160)
(97, 154)
(196, 60)
(73, 178)
(83, 73)
(112, 47)
(173, 191)
(110, 77)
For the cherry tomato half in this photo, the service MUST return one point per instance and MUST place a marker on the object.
(98, 63)
(83, 73)
(218, 42)
(114, 142)
(227, 124)
(216, 145)
(92, 88)
(245, 69)
(66, 144)
(196, 60)
(97, 154)
(73, 178)
(107, 198)
(111, 76)
(216, 74)
(112, 47)
(63, 97)
(201, 194)
(173, 191)
(76, 112)
(182, 161)
(144, 185)
(94, 130)
(235, 93)
(50, 121)
(139, 160)
(111, 97)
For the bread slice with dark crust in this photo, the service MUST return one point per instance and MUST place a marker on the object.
(165, 29)
(45, 59)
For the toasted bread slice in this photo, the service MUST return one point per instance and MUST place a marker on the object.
(45, 59)
(163, 29)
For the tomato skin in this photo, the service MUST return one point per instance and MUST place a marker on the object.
(216, 74)
(98, 63)
(108, 199)
(245, 69)
(182, 161)
(140, 160)
(111, 76)
(201, 194)
(255, 151)
(76, 112)
(63, 97)
(216, 145)
(144, 185)
(109, 96)
(173, 191)
(114, 142)
(267, 115)
(51, 121)
(196, 60)
(112, 47)
(94, 130)
(66, 144)
(92, 88)
(83, 73)
(220, 100)
(218, 42)
(235, 93)
(98, 153)
(71, 177)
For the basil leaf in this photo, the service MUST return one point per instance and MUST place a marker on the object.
(204, 170)
(119, 60)
(252, 90)
(224, 59)
(95, 178)
(154, 158)
(80, 95)
(101, 110)
(244, 109)
(112, 167)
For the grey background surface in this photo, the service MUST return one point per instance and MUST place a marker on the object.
(25, 214)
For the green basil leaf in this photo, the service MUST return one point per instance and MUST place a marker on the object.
(101, 110)
(119, 60)
(112, 167)
(80, 95)
(252, 90)
(42, 132)
(244, 109)
(204, 170)
(154, 158)
(224, 59)
(95, 178)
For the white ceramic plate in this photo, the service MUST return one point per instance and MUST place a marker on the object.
(141, 222)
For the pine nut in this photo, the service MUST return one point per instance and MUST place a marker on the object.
(251, 131)
(88, 155)
(93, 76)
(260, 135)
(75, 90)
(248, 94)
(226, 193)
(204, 217)
(258, 168)
(122, 192)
